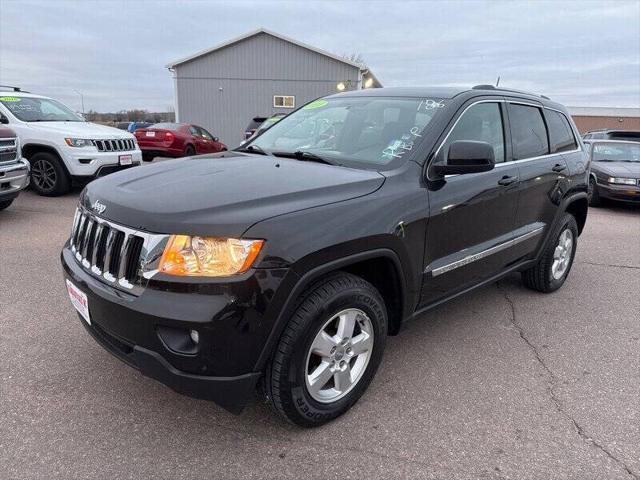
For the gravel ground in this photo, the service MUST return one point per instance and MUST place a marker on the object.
(501, 383)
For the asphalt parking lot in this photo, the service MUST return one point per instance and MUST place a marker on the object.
(502, 383)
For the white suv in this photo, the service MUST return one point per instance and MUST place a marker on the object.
(61, 146)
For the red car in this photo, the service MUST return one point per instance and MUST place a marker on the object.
(176, 140)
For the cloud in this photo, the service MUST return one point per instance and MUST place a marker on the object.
(114, 52)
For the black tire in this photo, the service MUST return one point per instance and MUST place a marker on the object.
(285, 381)
(594, 195)
(541, 276)
(48, 177)
(147, 157)
(189, 151)
(5, 204)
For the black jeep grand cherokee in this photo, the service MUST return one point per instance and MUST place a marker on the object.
(289, 261)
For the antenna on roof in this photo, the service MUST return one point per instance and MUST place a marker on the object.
(498, 81)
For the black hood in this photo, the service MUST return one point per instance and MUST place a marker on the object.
(618, 169)
(222, 195)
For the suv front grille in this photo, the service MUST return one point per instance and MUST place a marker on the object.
(117, 145)
(111, 252)
(8, 151)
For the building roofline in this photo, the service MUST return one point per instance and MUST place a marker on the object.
(273, 34)
(604, 111)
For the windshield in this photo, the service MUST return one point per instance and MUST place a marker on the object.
(372, 131)
(167, 126)
(31, 109)
(616, 152)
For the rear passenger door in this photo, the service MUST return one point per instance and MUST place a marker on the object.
(543, 170)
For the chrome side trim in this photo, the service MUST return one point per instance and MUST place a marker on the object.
(485, 253)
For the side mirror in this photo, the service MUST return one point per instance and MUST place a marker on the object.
(466, 156)
(4, 120)
(216, 139)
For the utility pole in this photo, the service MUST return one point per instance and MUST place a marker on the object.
(81, 99)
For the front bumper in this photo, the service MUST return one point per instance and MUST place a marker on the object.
(622, 193)
(13, 178)
(90, 162)
(231, 318)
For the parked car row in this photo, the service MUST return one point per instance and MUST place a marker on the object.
(63, 149)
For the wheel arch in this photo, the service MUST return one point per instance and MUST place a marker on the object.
(31, 148)
(578, 206)
(380, 267)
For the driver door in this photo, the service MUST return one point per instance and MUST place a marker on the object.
(472, 216)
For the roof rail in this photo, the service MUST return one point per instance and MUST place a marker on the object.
(12, 88)
(491, 87)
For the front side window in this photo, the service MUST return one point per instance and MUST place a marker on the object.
(561, 135)
(359, 131)
(284, 101)
(33, 109)
(528, 132)
(482, 123)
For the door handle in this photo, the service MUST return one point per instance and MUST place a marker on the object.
(558, 167)
(504, 181)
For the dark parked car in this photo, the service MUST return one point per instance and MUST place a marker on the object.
(14, 170)
(176, 140)
(615, 171)
(289, 261)
(273, 119)
(253, 126)
(629, 135)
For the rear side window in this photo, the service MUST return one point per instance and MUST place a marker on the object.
(483, 123)
(560, 134)
(528, 132)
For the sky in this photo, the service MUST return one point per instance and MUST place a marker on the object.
(114, 52)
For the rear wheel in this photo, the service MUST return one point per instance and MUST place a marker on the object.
(329, 351)
(189, 151)
(593, 195)
(5, 204)
(48, 176)
(553, 268)
(147, 157)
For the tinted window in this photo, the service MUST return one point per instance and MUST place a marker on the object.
(205, 134)
(528, 132)
(167, 126)
(560, 133)
(483, 123)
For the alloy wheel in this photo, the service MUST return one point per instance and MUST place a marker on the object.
(339, 355)
(562, 254)
(44, 175)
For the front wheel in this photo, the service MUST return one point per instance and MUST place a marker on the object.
(5, 203)
(551, 271)
(329, 352)
(48, 176)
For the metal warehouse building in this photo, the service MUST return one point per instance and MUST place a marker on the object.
(257, 74)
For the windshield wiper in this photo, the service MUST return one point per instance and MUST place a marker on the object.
(255, 149)
(305, 156)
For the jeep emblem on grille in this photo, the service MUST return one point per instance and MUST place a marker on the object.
(99, 207)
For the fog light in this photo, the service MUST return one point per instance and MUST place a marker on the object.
(195, 336)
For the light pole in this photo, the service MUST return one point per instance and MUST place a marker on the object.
(81, 99)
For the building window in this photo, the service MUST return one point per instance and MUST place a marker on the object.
(284, 101)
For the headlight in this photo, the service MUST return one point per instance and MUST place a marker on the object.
(187, 256)
(622, 181)
(79, 142)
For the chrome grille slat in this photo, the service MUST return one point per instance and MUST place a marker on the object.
(114, 253)
(94, 248)
(115, 145)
